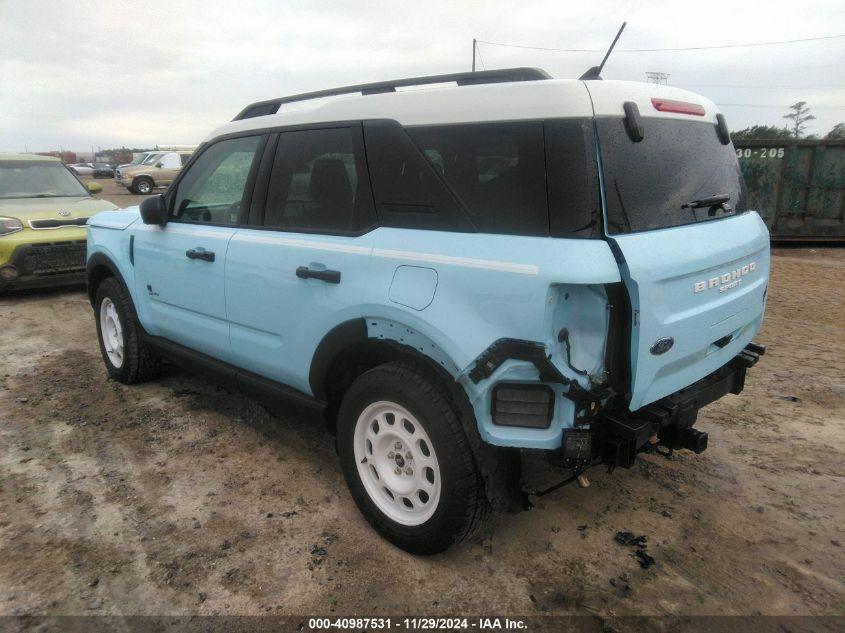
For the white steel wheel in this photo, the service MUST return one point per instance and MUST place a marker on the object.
(397, 463)
(111, 332)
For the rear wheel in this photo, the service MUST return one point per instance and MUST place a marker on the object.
(127, 358)
(407, 461)
(143, 186)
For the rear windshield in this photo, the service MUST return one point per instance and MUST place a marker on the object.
(654, 184)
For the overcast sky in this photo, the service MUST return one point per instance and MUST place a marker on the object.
(75, 74)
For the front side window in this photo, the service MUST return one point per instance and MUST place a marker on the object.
(213, 189)
(318, 182)
(38, 179)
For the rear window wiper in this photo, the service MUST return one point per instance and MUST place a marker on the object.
(712, 203)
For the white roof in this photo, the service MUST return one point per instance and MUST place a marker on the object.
(510, 101)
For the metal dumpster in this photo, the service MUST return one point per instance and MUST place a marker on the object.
(798, 186)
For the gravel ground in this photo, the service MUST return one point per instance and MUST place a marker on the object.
(176, 497)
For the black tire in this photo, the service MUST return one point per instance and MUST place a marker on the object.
(143, 186)
(139, 362)
(462, 504)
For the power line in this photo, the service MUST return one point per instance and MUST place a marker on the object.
(742, 86)
(481, 60)
(782, 107)
(659, 50)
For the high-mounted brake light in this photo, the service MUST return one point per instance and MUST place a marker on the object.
(679, 107)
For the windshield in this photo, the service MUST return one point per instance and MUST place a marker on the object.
(140, 158)
(38, 179)
(149, 160)
(680, 173)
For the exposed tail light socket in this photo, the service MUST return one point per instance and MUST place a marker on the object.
(526, 405)
(678, 107)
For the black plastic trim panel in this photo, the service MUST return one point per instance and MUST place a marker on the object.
(495, 397)
(266, 391)
(340, 337)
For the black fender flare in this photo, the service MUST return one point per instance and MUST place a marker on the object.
(500, 468)
(339, 338)
(96, 262)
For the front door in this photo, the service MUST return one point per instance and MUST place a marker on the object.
(180, 266)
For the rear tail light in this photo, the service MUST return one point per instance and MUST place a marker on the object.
(678, 107)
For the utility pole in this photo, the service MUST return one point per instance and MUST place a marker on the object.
(474, 44)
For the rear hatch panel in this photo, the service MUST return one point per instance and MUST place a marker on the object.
(664, 271)
(696, 277)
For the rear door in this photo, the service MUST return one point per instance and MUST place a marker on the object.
(180, 266)
(696, 272)
(302, 269)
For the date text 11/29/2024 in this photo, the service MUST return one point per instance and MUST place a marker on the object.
(418, 624)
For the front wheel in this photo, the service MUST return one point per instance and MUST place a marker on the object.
(407, 460)
(127, 358)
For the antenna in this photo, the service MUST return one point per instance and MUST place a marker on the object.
(595, 71)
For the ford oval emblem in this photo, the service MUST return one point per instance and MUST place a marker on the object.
(662, 345)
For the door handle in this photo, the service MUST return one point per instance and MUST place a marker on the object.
(329, 276)
(195, 253)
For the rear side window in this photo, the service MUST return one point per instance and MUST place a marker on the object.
(318, 182)
(408, 184)
(651, 184)
(497, 170)
(572, 173)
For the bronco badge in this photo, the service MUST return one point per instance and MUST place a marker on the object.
(725, 281)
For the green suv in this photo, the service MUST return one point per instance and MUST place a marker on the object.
(43, 212)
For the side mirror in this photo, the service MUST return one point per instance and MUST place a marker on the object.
(159, 164)
(94, 187)
(153, 210)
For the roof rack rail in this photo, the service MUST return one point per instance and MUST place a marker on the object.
(271, 106)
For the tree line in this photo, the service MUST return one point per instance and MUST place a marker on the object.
(799, 116)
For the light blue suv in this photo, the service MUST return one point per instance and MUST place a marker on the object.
(449, 276)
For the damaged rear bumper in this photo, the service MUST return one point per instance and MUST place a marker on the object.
(616, 436)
